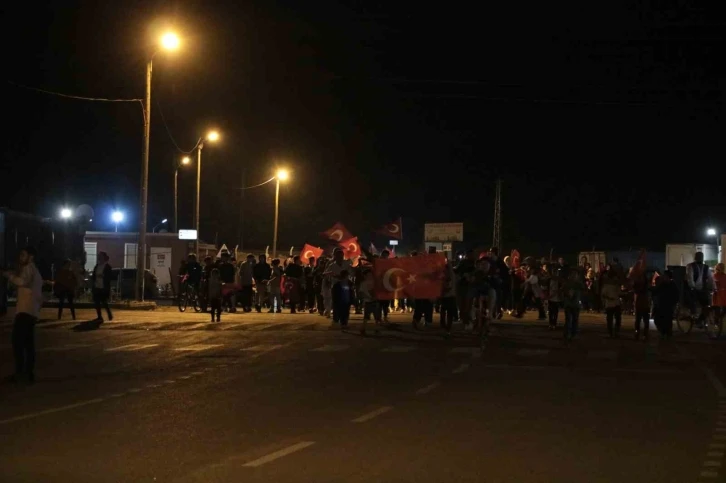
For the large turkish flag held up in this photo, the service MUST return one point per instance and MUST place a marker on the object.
(419, 277)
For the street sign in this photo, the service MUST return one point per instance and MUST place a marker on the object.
(393, 243)
(446, 247)
(443, 232)
(187, 234)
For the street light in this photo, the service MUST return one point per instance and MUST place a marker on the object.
(117, 217)
(212, 136)
(281, 175)
(184, 162)
(158, 225)
(66, 213)
(712, 232)
(169, 41)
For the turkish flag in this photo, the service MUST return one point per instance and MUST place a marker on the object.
(337, 233)
(392, 230)
(516, 259)
(351, 248)
(310, 251)
(420, 277)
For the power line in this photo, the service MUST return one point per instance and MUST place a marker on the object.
(69, 96)
(168, 132)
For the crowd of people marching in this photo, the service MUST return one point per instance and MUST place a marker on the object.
(554, 289)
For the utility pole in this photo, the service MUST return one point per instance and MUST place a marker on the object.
(497, 232)
(240, 228)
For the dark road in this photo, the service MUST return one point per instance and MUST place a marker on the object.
(163, 396)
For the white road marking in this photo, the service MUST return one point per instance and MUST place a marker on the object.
(262, 348)
(398, 348)
(429, 388)
(715, 382)
(195, 326)
(51, 411)
(602, 355)
(279, 454)
(714, 454)
(711, 464)
(331, 348)
(118, 394)
(218, 365)
(372, 414)
(532, 352)
(197, 347)
(169, 381)
(131, 347)
(152, 386)
(709, 474)
(196, 373)
(136, 389)
(460, 369)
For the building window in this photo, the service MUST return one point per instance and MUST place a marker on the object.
(91, 249)
(130, 255)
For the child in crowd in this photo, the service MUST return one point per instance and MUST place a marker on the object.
(341, 300)
(214, 287)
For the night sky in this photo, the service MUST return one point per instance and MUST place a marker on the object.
(605, 124)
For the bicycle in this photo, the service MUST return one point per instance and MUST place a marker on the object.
(188, 296)
(686, 319)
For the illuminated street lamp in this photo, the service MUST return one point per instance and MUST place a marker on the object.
(117, 217)
(714, 233)
(169, 41)
(212, 136)
(281, 175)
(184, 162)
(159, 224)
(66, 213)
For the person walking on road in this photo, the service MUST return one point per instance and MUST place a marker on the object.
(29, 282)
(101, 283)
(572, 295)
(214, 286)
(65, 288)
(611, 300)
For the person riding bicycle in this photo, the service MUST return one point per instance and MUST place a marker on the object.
(700, 283)
(193, 271)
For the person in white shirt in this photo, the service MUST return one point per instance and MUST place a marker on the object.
(29, 282)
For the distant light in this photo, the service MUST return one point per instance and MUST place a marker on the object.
(711, 232)
(66, 213)
(213, 136)
(117, 217)
(170, 41)
(186, 160)
(282, 174)
(164, 220)
(393, 243)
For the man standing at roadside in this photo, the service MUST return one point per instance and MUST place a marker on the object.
(29, 282)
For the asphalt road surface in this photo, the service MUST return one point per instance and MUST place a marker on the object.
(163, 396)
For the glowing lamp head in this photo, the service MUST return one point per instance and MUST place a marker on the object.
(282, 174)
(213, 136)
(711, 232)
(66, 213)
(186, 160)
(164, 220)
(170, 41)
(117, 217)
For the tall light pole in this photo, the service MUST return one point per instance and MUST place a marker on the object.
(153, 230)
(168, 42)
(185, 161)
(281, 175)
(212, 136)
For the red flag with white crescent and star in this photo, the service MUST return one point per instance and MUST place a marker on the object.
(392, 230)
(351, 248)
(420, 277)
(310, 251)
(337, 233)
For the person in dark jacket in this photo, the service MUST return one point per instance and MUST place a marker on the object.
(227, 273)
(665, 299)
(310, 293)
(65, 288)
(101, 283)
(342, 299)
(261, 273)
